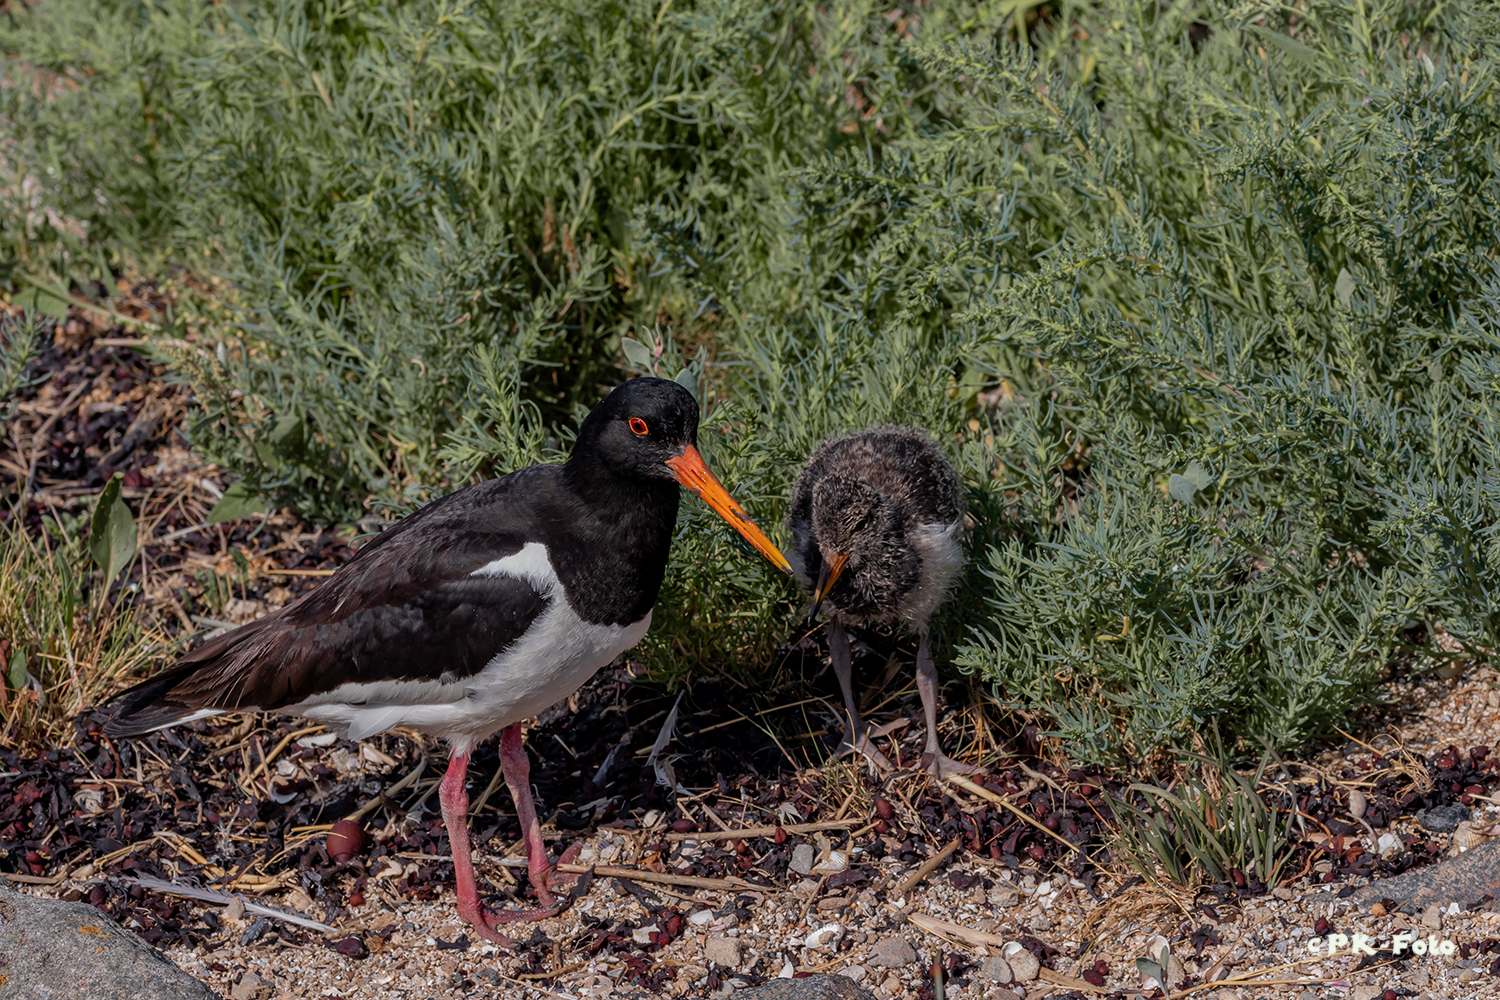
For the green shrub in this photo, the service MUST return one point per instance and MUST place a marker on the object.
(417, 202)
(1225, 314)
(1203, 297)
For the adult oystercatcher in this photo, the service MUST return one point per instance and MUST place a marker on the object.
(478, 611)
(874, 518)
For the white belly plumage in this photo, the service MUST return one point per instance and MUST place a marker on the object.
(557, 654)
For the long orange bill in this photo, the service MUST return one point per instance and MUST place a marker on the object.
(690, 470)
(827, 577)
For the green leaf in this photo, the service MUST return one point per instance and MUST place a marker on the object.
(16, 675)
(42, 301)
(286, 436)
(637, 354)
(237, 502)
(1149, 968)
(1183, 487)
(1345, 287)
(112, 534)
(1293, 48)
(688, 381)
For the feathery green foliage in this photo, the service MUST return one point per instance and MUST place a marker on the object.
(1203, 297)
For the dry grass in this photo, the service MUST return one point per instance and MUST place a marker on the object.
(64, 643)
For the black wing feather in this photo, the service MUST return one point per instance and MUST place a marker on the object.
(406, 607)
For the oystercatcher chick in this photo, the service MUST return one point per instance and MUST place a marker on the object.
(478, 611)
(874, 519)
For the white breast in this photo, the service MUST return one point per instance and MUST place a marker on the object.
(556, 655)
(942, 561)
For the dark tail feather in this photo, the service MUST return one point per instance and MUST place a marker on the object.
(202, 682)
(147, 706)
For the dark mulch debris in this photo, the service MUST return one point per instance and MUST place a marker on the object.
(65, 808)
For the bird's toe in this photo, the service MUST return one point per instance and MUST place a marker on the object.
(942, 766)
(865, 747)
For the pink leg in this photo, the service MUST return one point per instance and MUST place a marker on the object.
(517, 768)
(455, 802)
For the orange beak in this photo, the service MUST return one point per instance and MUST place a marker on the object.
(827, 577)
(689, 470)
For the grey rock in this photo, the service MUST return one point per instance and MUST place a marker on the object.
(1005, 897)
(251, 987)
(1023, 964)
(71, 950)
(803, 856)
(1432, 917)
(811, 988)
(1001, 993)
(996, 970)
(893, 952)
(725, 951)
(1442, 819)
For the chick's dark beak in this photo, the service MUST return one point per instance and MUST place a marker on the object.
(827, 577)
(689, 469)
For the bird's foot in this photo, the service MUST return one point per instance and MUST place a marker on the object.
(485, 922)
(549, 882)
(865, 745)
(940, 765)
(551, 888)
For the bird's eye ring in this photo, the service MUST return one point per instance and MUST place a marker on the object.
(639, 426)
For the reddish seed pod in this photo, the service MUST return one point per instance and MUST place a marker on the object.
(357, 899)
(346, 840)
(1388, 995)
(739, 846)
(352, 947)
(1238, 876)
(683, 825)
(1321, 927)
(1086, 790)
(884, 809)
(780, 837)
(1052, 822)
(881, 826)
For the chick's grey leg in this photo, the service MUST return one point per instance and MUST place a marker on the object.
(856, 735)
(927, 685)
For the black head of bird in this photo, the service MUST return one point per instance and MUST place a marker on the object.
(646, 432)
(867, 560)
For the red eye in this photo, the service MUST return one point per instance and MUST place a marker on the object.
(639, 426)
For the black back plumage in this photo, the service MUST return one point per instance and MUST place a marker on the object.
(408, 606)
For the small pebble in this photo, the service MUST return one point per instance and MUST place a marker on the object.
(893, 952)
(1442, 819)
(1023, 964)
(996, 970)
